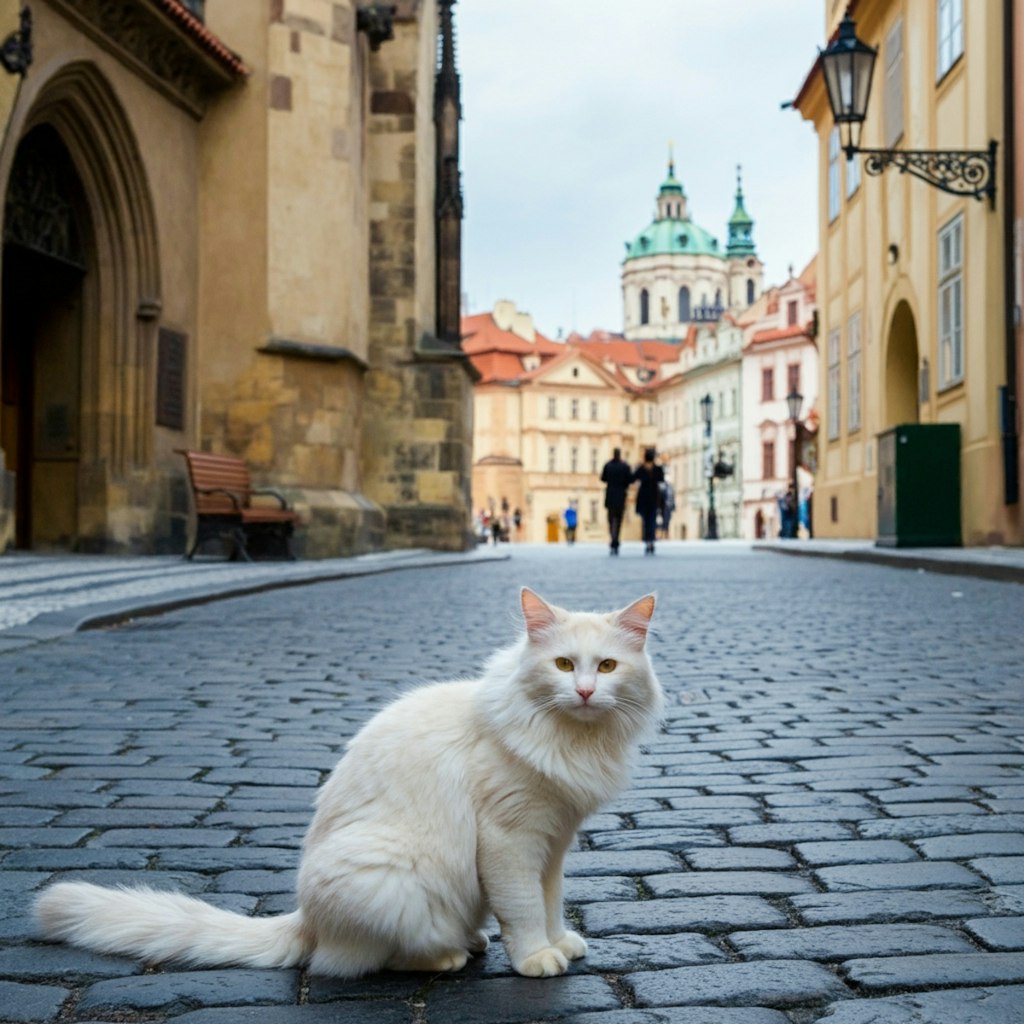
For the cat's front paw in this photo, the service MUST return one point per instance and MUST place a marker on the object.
(572, 945)
(478, 942)
(545, 963)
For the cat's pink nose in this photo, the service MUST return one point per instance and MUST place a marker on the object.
(585, 693)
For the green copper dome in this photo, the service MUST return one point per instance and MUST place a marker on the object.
(672, 237)
(671, 185)
(672, 233)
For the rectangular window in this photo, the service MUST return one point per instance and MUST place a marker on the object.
(593, 460)
(767, 460)
(650, 415)
(767, 384)
(834, 395)
(852, 175)
(951, 303)
(551, 459)
(593, 511)
(833, 174)
(792, 312)
(574, 409)
(853, 373)
(950, 34)
(626, 413)
(792, 378)
(552, 408)
(894, 84)
(574, 459)
(593, 410)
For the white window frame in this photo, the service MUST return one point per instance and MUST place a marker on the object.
(834, 383)
(853, 373)
(893, 112)
(949, 35)
(552, 408)
(852, 175)
(951, 303)
(833, 174)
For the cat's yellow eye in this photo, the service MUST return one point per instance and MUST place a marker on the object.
(564, 664)
(608, 665)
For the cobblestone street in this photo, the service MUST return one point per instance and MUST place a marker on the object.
(829, 827)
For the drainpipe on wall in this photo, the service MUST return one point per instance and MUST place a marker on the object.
(1008, 392)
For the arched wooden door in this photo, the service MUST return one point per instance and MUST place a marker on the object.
(44, 270)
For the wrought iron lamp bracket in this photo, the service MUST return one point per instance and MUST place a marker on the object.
(966, 172)
(16, 50)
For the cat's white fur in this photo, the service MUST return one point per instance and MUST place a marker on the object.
(457, 800)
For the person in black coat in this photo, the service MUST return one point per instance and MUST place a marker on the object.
(649, 476)
(617, 476)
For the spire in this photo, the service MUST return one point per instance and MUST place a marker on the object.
(671, 197)
(741, 224)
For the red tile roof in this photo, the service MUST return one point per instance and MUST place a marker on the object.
(192, 26)
(780, 334)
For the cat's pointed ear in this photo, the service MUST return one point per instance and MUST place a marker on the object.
(539, 615)
(635, 620)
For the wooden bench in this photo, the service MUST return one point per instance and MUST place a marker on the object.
(223, 495)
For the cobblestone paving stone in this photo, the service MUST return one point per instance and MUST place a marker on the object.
(829, 827)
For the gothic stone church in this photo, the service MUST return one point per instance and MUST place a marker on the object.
(233, 227)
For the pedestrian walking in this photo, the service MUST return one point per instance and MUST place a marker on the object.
(648, 496)
(616, 476)
(668, 506)
(569, 515)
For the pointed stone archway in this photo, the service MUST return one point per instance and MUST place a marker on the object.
(902, 359)
(44, 269)
(78, 327)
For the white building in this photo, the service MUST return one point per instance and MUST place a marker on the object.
(780, 356)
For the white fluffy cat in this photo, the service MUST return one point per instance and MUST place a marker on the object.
(457, 800)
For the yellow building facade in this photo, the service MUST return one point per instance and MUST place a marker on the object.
(546, 417)
(911, 283)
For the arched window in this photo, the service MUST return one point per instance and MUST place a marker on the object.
(750, 291)
(684, 304)
(645, 307)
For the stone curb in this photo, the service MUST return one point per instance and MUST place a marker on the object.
(51, 625)
(947, 565)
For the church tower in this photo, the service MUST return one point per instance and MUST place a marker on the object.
(746, 271)
(674, 272)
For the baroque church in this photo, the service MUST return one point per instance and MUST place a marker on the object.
(676, 275)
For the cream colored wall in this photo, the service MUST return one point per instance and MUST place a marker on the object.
(316, 221)
(856, 273)
(514, 422)
(663, 276)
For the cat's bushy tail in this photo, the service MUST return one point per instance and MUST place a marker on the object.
(155, 925)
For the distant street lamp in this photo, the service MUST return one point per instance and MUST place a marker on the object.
(848, 64)
(711, 533)
(795, 402)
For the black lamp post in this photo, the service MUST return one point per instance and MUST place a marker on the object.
(711, 533)
(848, 64)
(795, 401)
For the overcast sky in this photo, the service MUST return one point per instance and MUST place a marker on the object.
(569, 107)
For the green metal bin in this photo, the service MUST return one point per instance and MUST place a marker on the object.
(919, 486)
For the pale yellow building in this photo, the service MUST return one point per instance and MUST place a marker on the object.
(911, 280)
(547, 415)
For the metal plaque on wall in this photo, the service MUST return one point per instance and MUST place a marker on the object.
(170, 379)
